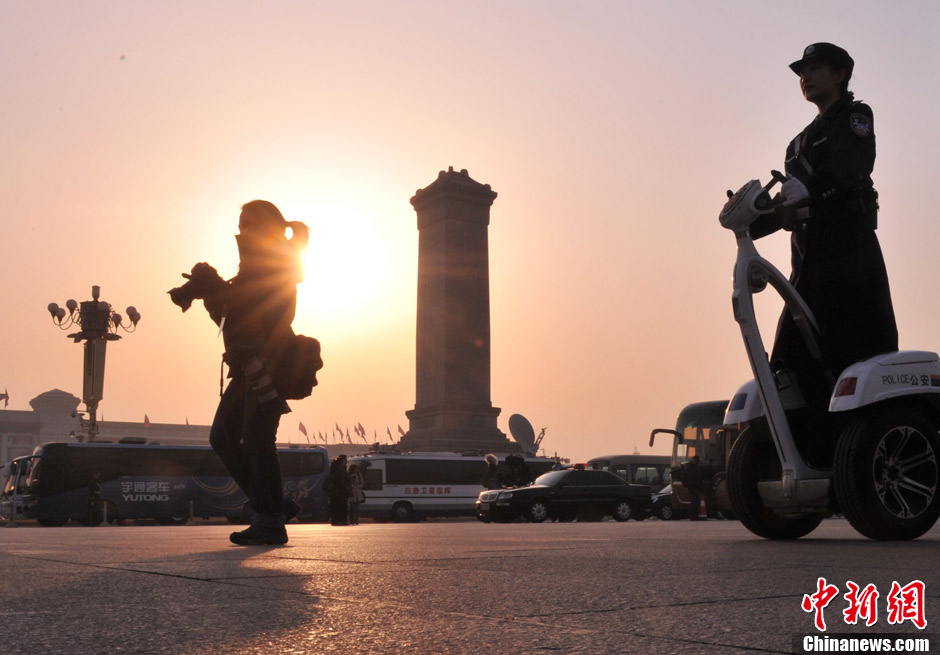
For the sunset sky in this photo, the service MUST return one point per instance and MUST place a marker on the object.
(133, 131)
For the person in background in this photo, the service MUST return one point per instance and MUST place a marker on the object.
(338, 490)
(692, 479)
(356, 495)
(491, 477)
(94, 499)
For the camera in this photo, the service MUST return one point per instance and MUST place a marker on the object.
(183, 296)
(201, 281)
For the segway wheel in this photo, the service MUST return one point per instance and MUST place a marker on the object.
(886, 470)
(753, 458)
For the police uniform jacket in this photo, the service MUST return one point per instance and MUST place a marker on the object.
(837, 264)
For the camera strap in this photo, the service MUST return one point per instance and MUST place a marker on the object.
(222, 363)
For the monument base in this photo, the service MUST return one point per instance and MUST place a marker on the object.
(435, 430)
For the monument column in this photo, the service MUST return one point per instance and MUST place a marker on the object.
(453, 409)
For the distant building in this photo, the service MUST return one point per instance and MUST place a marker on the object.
(53, 418)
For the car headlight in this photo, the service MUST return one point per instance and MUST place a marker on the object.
(504, 495)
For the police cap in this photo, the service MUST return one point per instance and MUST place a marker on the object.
(826, 52)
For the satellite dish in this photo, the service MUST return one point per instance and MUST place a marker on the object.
(522, 432)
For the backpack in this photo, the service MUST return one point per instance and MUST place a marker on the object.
(294, 362)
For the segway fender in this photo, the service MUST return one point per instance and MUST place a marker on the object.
(887, 376)
(746, 405)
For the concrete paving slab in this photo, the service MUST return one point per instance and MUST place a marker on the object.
(439, 587)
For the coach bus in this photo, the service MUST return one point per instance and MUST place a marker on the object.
(11, 489)
(700, 431)
(652, 470)
(149, 481)
(405, 487)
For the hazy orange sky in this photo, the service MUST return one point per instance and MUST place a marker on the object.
(132, 132)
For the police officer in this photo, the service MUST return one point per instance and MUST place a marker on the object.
(692, 479)
(837, 264)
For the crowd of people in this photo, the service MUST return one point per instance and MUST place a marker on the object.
(513, 473)
(344, 491)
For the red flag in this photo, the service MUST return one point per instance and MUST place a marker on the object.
(302, 429)
(387, 429)
(146, 421)
(6, 397)
(362, 430)
(400, 431)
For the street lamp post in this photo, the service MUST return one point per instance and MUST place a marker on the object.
(99, 325)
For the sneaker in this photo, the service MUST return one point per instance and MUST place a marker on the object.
(260, 535)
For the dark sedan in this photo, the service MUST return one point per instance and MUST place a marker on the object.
(567, 495)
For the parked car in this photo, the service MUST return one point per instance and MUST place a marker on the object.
(663, 507)
(567, 495)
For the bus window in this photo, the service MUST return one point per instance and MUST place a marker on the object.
(441, 471)
(295, 463)
(373, 479)
(666, 475)
(646, 475)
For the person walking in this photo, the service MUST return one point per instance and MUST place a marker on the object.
(254, 311)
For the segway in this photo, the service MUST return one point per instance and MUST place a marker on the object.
(883, 471)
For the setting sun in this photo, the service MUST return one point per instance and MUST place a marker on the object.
(351, 270)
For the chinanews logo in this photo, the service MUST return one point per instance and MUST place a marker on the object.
(901, 604)
(863, 606)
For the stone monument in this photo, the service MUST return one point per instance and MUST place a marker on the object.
(453, 410)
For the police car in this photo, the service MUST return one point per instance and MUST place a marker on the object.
(567, 495)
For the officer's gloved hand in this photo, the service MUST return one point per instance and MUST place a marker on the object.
(794, 192)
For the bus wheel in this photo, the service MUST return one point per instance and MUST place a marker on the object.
(52, 523)
(753, 459)
(886, 474)
(403, 512)
(173, 520)
(623, 511)
(538, 511)
(112, 512)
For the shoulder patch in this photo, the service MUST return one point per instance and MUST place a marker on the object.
(861, 124)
